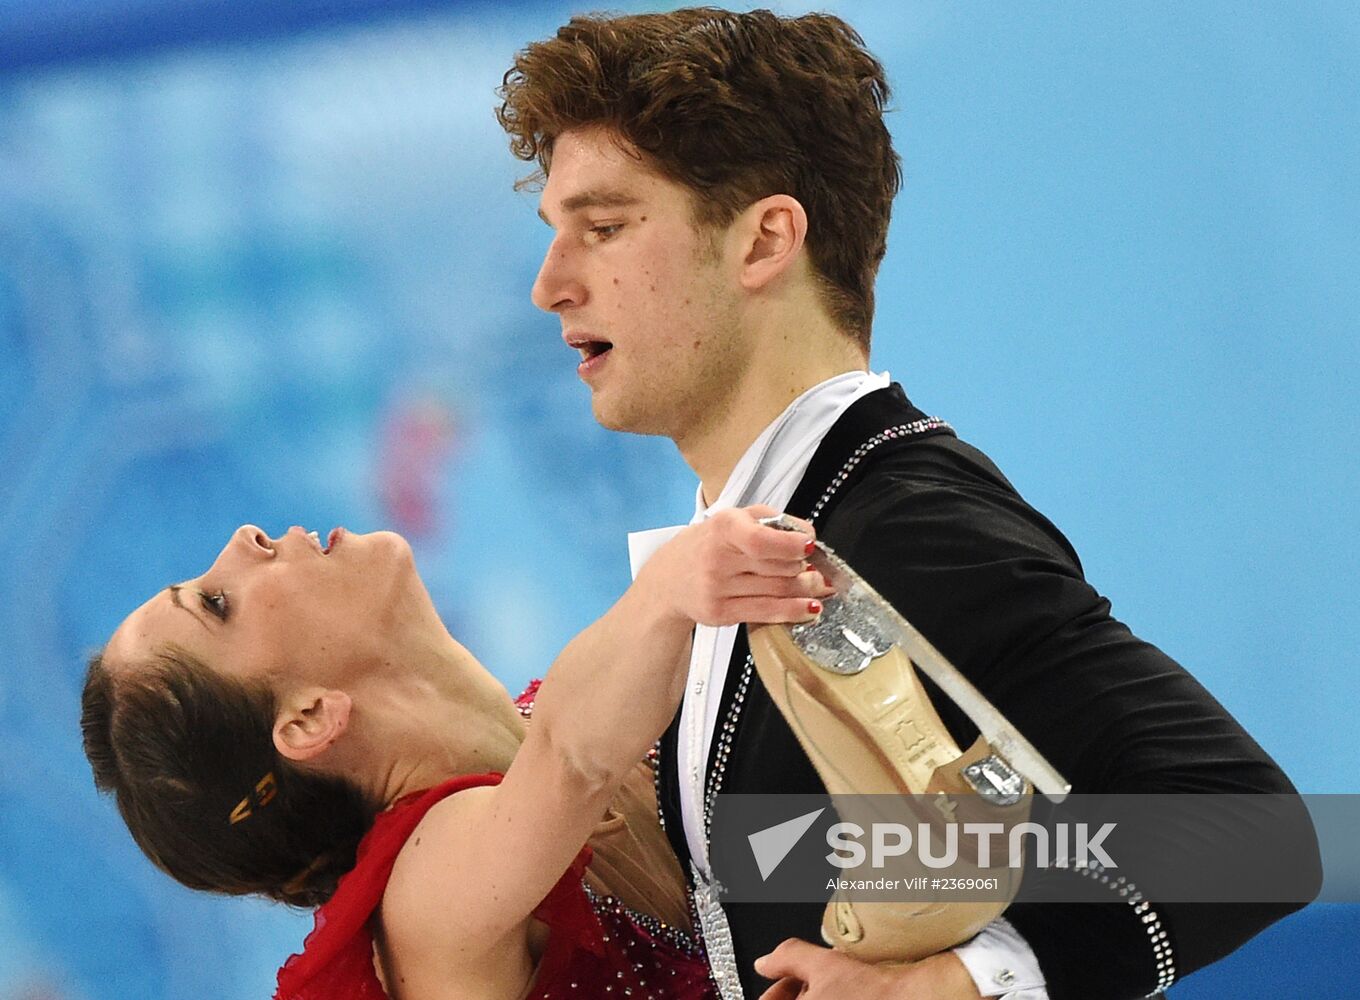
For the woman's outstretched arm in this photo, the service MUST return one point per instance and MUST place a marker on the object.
(481, 861)
(617, 685)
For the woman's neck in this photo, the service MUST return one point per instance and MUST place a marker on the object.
(413, 730)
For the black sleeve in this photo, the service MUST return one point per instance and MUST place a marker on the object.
(998, 590)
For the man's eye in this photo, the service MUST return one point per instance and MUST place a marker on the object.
(215, 603)
(601, 233)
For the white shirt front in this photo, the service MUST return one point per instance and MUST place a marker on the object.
(769, 473)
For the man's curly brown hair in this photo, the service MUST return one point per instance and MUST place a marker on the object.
(737, 107)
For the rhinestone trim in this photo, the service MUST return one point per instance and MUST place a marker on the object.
(891, 434)
(711, 922)
(729, 727)
(655, 755)
(1162, 953)
(658, 929)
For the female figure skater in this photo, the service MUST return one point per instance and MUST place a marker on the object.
(297, 723)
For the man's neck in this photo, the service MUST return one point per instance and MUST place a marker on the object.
(714, 450)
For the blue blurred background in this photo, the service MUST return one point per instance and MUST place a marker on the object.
(263, 262)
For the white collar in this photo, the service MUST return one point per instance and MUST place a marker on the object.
(771, 468)
(773, 465)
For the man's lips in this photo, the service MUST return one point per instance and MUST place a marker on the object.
(593, 363)
(593, 351)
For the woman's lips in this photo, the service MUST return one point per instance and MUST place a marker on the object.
(331, 539)
(311, 536)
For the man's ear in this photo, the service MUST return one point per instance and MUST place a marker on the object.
(309, 721)
(774, 230)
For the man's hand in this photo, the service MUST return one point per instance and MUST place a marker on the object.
(730, 569)
(809, 972)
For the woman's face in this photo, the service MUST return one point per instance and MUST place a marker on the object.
(288, 609)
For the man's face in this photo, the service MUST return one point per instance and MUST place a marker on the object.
(649, 301)
(286, 609)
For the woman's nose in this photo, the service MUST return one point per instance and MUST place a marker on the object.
(251, 541)
(247, 544)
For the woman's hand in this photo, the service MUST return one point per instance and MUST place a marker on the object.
(730, 568)
(810, 972)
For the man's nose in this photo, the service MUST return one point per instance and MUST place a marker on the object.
(557, 287)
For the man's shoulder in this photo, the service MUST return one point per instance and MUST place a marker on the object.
(884, 433)
(944, 495)
(940, 458)
(940, 464)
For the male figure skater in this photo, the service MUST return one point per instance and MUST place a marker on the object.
(719, 188)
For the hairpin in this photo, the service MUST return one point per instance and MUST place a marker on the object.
(265, 790)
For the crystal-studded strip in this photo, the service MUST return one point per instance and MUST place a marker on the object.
(658, 929)
(891, 434)
(725, 736)
(704, 896)
(654, 757)
(1162, 954)
(721, 952)
(729, 727)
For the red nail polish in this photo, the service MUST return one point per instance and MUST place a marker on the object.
(826, 582)
(814, 607)
(810, 547)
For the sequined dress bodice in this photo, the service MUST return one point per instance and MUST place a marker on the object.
(597, 946)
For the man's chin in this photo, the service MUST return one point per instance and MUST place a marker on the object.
(628, 420)
(608, 413)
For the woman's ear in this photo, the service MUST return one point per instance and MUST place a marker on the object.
(774, 229)
(309, 721)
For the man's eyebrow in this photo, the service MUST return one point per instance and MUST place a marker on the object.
(594, 199)
(174, 589)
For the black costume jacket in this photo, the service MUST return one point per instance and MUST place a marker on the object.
(937, 530)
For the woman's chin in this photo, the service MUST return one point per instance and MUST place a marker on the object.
(376, 544)
(393, 538)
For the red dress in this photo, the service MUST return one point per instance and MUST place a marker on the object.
(597, 947)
